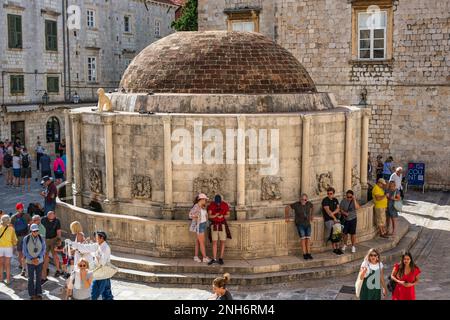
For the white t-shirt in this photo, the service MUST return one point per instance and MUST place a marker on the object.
(397, 179)
(203, 215)
(16, 162)
(371, 267)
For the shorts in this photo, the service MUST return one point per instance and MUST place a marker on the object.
(19, 243)
(328, 229)
(392, 213)
(9, 170)
(50, 244)
(304, 232)
(16, 173)
(201, 228)
(350, 227)
(380, 216)
(25, 172)
(59, 175)
(6, 252)
(219, 235)
(46, 173)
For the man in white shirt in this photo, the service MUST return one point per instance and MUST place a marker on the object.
(102, 253)
(397, 178)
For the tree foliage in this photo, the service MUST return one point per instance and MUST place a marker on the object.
(188, 19)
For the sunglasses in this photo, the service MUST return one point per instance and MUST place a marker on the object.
(82, 266)
(350, 197)
(330, 193)
(35, 231)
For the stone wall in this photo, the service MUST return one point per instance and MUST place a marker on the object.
(409, 95)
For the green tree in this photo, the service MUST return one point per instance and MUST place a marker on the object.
(188, 19)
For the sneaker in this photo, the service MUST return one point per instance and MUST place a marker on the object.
(335, 251)
(66, 275)
(38, 297)
(58, 273)
(197, 259)
(206, 260)
(353, 249)
(23, 273)
(339, 251)
(305, 256)
(310, 257)
(211, 262)
(220, 261)
(43, 281)
(344, 247)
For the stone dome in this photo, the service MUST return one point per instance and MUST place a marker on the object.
(216, 62)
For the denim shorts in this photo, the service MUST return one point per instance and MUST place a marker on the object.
(202, 227)
(304, 231)
(16, 173)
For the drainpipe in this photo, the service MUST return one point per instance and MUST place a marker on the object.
(68, 55)
(64, 46)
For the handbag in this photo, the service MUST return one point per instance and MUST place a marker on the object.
(398, 204)
(4, 232)
(106, 271)
(358, 285)
(193, 226)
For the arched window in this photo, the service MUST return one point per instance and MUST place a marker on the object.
(53, 130)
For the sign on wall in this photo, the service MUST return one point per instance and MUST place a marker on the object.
(416, 174)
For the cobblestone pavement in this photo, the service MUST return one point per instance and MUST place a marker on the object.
(430, 210)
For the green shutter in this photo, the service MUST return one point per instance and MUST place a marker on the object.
(53, 84)
(51, 36)
(16, 84)
(14, 31)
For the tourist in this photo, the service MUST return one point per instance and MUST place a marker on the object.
(17, 146)
(381, 203)
(35, 208)
(406, 276)
(303, 211)
(219, 288)
(63, 256)
(20, 221)
(102, 253)
(372, 275)
(388, 168)
(2, 152)
(16, 168)
(77, 230)
(392, 195)
(369, 167)
(52, 235)
(49, 194)
(39, 152)
(64, 159)
(95, 205)
(379, 168)
(7, 164)
(61, 147)
(76, 98)
(25, 170)
(218, 211)
(36, 219)
(58, 169)
(79, 284)
(45, 165)
(330, 212)
(199, 217)
(33, 250)
(8, 240)
(397, 177)
(348, 207)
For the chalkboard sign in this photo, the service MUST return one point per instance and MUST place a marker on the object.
(416, 174)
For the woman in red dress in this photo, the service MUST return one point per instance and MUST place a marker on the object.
(406, 275)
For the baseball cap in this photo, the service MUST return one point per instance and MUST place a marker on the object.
(202, 196)
(382, 181)
(19, 206)
(218, 199)
(45, 179)
(34, 227)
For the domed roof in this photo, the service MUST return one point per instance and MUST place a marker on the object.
(216, 62)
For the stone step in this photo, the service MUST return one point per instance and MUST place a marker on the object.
(186, 272)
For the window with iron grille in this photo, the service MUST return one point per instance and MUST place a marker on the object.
(92, 69)
(91, 18)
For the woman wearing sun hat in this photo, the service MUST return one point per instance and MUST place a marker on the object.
(199, 217)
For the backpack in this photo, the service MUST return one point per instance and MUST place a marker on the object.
(27, 240)
(21, 226)
(336, 234)
(25, 161)
(7, 160)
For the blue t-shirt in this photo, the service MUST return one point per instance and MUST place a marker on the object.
(387, 168)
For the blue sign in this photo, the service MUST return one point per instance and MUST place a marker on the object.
(416, 174)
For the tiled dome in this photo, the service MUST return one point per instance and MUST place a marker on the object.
(216, 62)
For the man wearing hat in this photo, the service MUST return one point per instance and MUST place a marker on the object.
(381, 203)
(20, 221)
(102, 253)
(34, 250)
(50, 193)
(217, 212)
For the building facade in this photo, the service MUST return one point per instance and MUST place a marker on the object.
(43, 68)
(391, 56)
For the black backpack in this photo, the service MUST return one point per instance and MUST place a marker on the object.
(7, 160)
(25, 161)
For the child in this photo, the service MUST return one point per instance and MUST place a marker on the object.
(60, 249)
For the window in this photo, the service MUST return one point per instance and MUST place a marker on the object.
(92, 69)
(91, 18)
(51, 36)
(17, 84)
(127, 62)
(14, 31)
(53, 84)
(372, 29)
(53, 130)
(18, 131)
(243, 26)
(372, 35)
(157, 28)
(126, 24)
(243, 20)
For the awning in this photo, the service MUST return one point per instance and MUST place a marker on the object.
(24, 108)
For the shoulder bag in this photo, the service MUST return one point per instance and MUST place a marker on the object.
(4, 232)
(398, 204)
(105, 272)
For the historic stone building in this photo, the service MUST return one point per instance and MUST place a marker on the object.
(392, 57)
(42, 67)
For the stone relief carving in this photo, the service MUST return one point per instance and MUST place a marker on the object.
(95, 180)
(324, 181)
(141, 187)
(208, 185)
(355, 176)
(270, 188)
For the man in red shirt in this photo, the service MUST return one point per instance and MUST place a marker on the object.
(217, 212)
